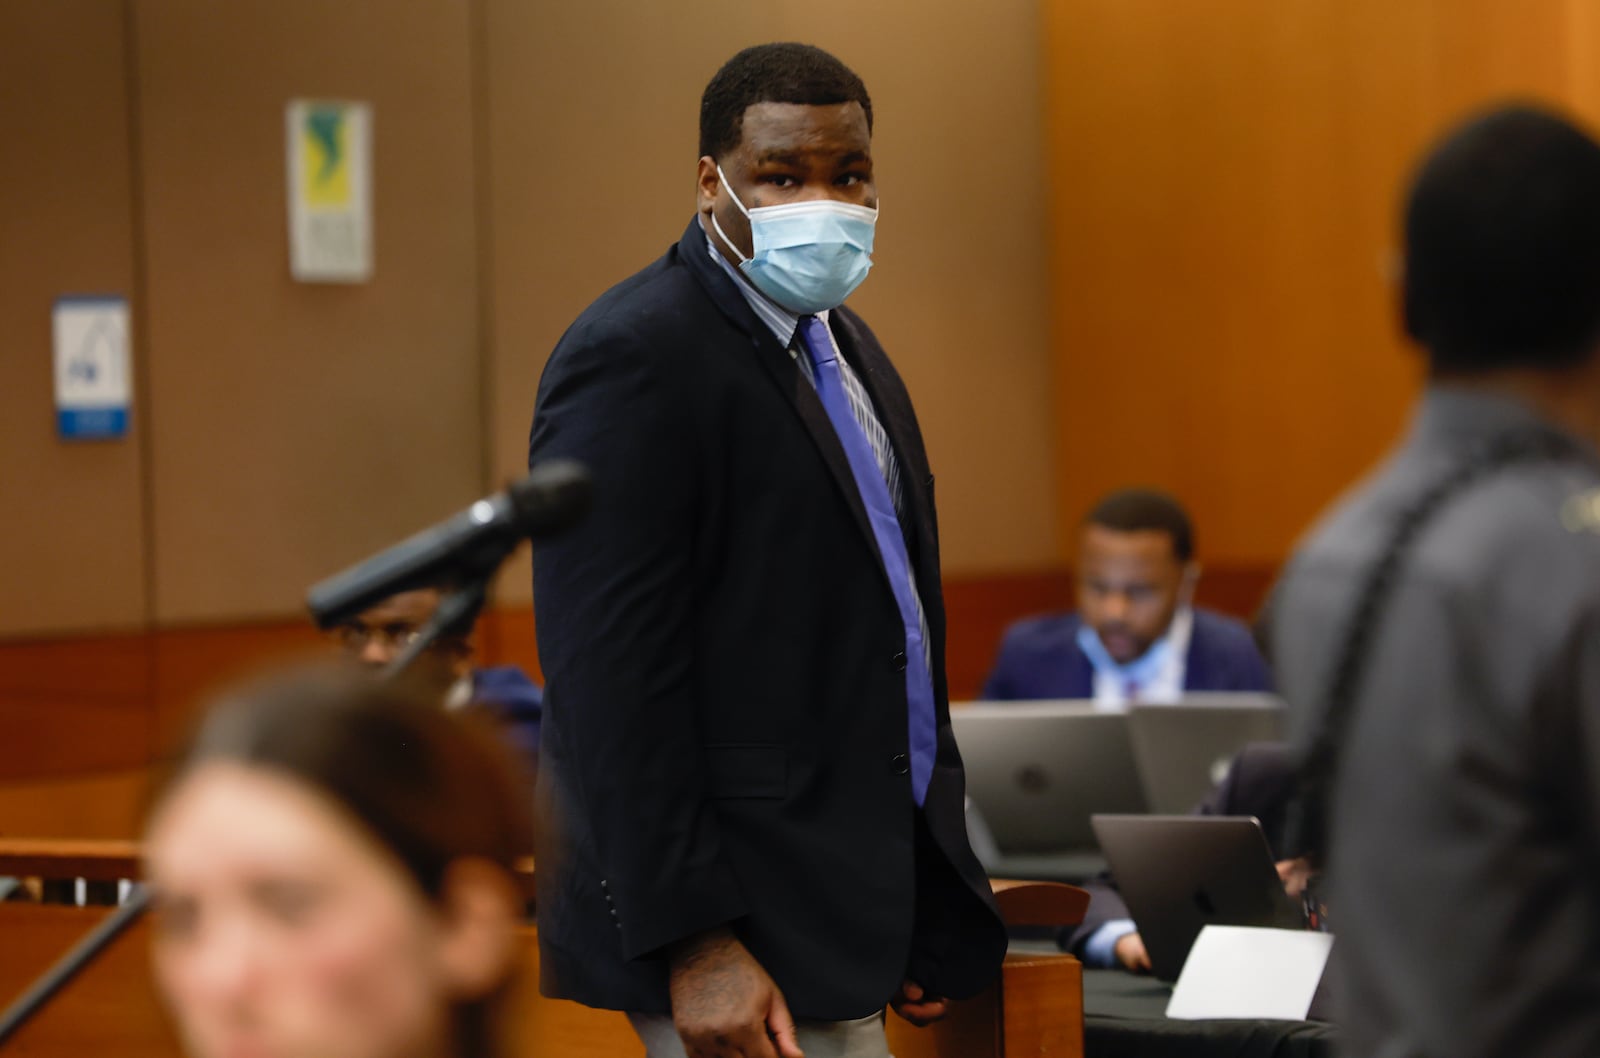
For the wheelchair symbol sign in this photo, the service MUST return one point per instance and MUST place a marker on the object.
(93, 387)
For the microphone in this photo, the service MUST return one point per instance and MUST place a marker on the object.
(551, 499)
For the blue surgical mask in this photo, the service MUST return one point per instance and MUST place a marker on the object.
(806, 256)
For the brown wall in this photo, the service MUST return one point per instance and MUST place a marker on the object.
(285, 429)
(526, 156)
(294, 426)
(73, 533)
(1225, 180)
(1123, 240)
(592, 137)
(281, 430)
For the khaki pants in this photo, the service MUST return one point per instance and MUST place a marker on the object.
(818, 1039)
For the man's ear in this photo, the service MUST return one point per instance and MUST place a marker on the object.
(707, 183)
(480, 910)
(1191, 578)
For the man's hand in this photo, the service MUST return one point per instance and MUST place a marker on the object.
(723, 1003)
(1295, 874)
(914, 1004)
(1130, 953)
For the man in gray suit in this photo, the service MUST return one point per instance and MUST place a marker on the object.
(1439, 632)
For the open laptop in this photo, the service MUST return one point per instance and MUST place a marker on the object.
(1036, 772)
(1182, 749)
(1178, 874)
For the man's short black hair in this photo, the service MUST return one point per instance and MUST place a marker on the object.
(772, 73)
(1146, 510)
(1502, 234)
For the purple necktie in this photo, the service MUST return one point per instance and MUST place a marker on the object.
(921, 725)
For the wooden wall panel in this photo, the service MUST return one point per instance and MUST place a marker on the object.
(192, 664)
(1218, 246)
(296, 427)
(1226, 180)
(73, 533)
(92, 703)
(56, 735)
(88, 805)
(959, 291)
(1186, 280)
(80, 718)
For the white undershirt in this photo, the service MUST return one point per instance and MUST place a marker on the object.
(1157, 675)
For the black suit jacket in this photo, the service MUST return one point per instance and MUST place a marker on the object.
(1261, 781)
(724, 735)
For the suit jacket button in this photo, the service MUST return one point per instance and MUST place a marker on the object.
(900, 661)
(900, 764)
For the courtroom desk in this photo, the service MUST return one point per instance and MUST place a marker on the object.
(1124, 1016)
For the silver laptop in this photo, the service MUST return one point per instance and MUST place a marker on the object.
(1183, 749)
(1036, 772)
(1178, 874)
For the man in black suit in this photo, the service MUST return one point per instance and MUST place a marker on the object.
(752, 827)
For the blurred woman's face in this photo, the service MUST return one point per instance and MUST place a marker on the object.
(283, 930)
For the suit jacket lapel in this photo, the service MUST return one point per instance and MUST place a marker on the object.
(783, 370)
(1198, 659)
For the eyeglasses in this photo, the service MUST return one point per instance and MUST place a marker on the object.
(356, 637)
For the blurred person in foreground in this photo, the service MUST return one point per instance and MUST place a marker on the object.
(1438, 633)
(446, 671)
(1136, 635)
(751, 804)
(332, 864)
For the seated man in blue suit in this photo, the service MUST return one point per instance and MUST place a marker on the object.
(1135, 635)
(376, 636)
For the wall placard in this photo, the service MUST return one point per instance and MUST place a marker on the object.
(330, 191)
(93, 382)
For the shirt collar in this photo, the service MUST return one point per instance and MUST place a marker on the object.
(1142, 669)
(1458, 413)
(459, 696)
(778, 319)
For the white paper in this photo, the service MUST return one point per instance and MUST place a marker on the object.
(330, 191)
(93, 380)
(1250, 972)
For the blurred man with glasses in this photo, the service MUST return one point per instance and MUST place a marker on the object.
(375, 637)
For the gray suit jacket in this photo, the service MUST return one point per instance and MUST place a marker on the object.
(1465, 834)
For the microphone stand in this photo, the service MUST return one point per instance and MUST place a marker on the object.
(458, 610)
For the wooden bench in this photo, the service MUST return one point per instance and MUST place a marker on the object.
(1035, 1009)
(97, 861)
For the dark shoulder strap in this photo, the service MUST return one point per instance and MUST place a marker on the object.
(1307, 823)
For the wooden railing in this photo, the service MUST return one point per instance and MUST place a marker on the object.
(97, 861)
